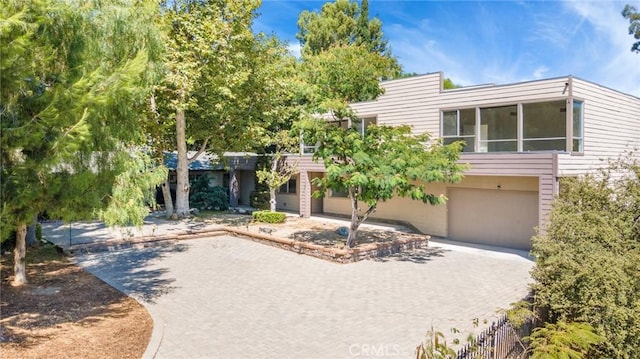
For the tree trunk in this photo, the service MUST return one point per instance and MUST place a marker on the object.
(19, 266)
(353, 228)
(168, 200)
(272, 190)
(355, 219)
(182, 170)
(272, 199)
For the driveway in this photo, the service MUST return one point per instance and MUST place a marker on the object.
(226, 297)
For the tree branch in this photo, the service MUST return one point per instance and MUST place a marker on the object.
(202, 148)
(369, 212)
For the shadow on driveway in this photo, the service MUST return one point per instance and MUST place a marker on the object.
(419, 255)
(135, 272)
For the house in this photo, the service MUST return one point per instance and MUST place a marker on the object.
(521, 138)
(236, 173)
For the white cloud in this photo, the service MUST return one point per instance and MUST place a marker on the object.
(295, 49)
(539, 73)
(613, 64)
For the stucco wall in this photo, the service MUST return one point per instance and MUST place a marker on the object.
(426, 218)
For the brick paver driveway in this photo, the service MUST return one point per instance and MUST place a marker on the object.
(226, 297)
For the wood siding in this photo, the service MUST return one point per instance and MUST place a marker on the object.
(611, 127)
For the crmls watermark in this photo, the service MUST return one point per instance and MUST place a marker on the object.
(382, 350)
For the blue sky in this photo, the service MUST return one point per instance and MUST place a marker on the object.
(496, 42)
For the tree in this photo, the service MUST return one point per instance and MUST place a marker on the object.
(216, 78)
(587, 259)
(375, 167)
(632, 14)
(343, 23)
(74, 76)
(280, 171)
(385, 162)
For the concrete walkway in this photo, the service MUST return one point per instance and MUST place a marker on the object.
(226, 297)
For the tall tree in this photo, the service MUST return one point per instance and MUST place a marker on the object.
(216, 86)
(632, 14)
(74, 76)
(343, 23)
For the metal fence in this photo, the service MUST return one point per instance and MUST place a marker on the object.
(500, 341)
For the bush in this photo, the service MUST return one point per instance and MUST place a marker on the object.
(269, 217)
(202, 196)
(587, 260)
(259, 199)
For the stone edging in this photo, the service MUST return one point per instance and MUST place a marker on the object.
(365, 251)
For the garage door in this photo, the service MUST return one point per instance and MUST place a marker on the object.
(492, 217)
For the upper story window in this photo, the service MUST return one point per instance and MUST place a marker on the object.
(578, 126)
(361, 126)
(364, 124)
(540, 126)
(460, 125)
(544, 126)
(499, 129)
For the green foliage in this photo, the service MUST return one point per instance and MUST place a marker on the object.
(278, 171)
(133, 192)
(385, 162)
(341, 23)
(203, 196)
(74, 77)
(563, 341)
(435, 347)
(344, 74)
(631, 13)
(269, 217)
(259, 199)
(587, 260)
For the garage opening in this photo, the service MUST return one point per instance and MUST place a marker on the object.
(492, 217)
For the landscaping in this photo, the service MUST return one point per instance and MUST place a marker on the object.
(65, 312)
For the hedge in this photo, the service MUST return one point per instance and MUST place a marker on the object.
(269, 217)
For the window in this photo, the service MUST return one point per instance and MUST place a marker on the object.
(460, 125)
(289, 187)
(499, 129)
(341, 192)
(544, 126)
(363, 124)
(540, 126)
(577, 126)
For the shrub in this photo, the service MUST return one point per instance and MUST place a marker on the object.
(269, 217)
(259, 199)
(202, 196)
(587, 260)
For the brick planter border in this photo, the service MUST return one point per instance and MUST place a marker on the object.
(364, 251)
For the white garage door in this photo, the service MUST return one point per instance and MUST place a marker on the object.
(492, 217)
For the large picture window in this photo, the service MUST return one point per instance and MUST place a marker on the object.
(499, 129)
(460, 125)
(544, 126)
(540, 126)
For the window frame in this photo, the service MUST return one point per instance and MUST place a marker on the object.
(574, 142)
(458, 136)
(288, 187)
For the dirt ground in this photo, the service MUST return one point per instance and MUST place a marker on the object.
(65, 312)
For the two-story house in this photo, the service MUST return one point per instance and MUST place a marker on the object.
(520, 139)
